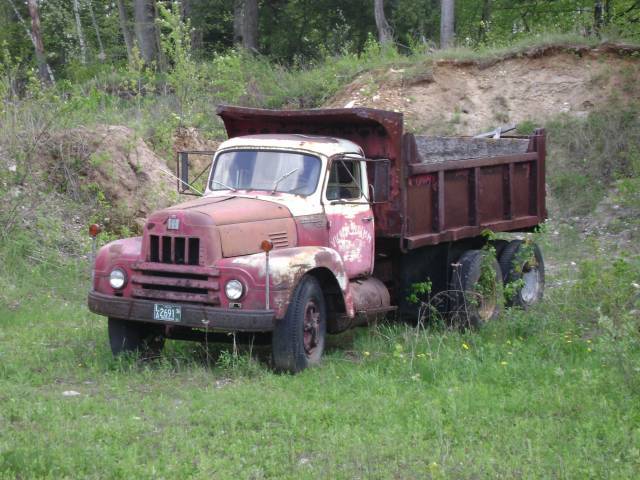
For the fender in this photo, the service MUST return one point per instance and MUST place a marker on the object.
(287, 266)
(117, 253)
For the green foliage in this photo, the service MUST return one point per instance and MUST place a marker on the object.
(382, 397)
(588, 154)
(419, 292)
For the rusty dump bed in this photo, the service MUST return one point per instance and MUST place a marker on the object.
(441, 188)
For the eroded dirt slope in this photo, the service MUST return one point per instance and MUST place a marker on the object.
(452, 97)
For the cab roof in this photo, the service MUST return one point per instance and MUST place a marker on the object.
(327, 146)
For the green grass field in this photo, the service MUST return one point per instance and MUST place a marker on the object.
(550, 393)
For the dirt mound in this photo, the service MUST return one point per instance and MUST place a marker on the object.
(111, 166)
(470, 96)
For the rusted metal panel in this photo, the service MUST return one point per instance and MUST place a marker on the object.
(520, 181)
(456, 198)
(193, 315)
(491, 195)
(416, 169)
(312, 230)
(416, 241)
(369, 294)
(351, 234)
(211, 298)
(244, 238)
(175, 282)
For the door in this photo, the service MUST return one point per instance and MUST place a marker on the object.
(351, 222)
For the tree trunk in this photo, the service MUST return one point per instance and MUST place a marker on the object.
(245, 24)
(83, 45)
(251, 25)
(126, 31)
(101, 54)
(385, 34)
(238, 14)
(597, 16)
(44, 71)
(195, 34)
(484, 20)
(145, 27)
(447, 19)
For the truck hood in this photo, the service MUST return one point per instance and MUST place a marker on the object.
(241, 223)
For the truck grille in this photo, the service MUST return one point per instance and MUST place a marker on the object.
(177, 250)
(174, 283)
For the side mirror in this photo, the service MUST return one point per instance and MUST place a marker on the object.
(380, 185)
(183, 172)
(185, 184)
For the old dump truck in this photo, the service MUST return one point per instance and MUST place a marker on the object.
(315, 221)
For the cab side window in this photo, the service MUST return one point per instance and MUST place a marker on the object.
(344, 180)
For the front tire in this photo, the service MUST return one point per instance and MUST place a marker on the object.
(126, 336)
(298, 339)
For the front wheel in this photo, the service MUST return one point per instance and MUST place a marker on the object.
(128, 336)
(298, 339)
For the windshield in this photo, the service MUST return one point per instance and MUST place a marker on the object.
(286, 172)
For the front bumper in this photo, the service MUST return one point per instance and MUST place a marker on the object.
(195, 316)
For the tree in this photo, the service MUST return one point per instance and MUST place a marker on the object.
(146, 32)
(447, 18)
(44, 71)
(126, 30)
(385, 34)
(245, 24)
(101, 54)
(81, 41)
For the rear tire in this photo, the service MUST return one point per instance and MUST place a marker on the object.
(127, 336)
(298, 339)
(477, 289)
(523, 273)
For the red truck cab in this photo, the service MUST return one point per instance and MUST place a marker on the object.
(313, 222)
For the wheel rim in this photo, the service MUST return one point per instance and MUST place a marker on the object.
(531, 287)
(488, 302)
(311, 333)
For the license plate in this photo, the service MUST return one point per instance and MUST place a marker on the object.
(167, 313)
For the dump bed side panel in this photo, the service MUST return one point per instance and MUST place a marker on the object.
(452, 195)
(457, 187)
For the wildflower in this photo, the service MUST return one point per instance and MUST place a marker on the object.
(421, 355)
(366, 354)
(503, 363)
(589, 350)
(415, 377)
(465, 346)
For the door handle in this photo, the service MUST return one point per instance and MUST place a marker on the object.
(367, 219)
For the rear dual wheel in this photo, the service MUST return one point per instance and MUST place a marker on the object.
(477, 289)
(523, 273)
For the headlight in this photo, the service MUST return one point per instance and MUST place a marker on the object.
(234, 289)
(117, 278)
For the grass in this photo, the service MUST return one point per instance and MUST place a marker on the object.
(546, 393)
